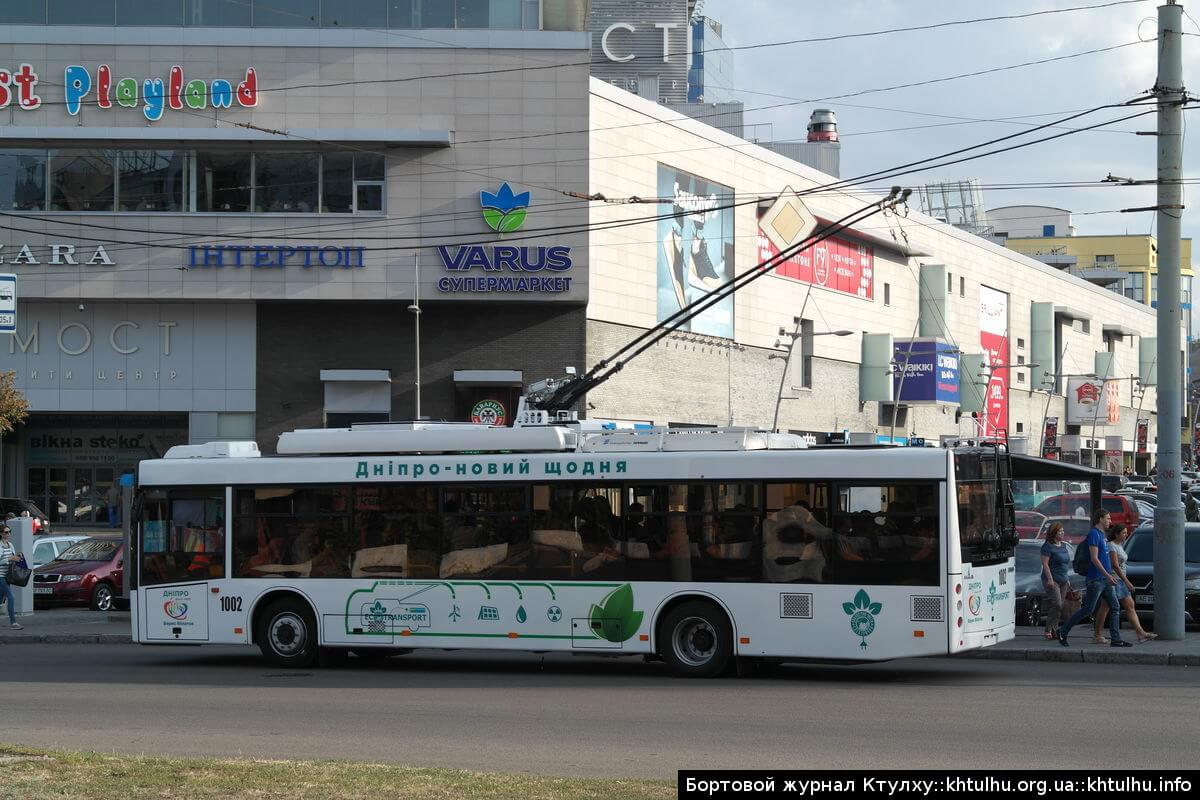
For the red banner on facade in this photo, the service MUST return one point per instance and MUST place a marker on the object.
(1050, 435)
(1143, 435)
(836, 264)
(993, 337)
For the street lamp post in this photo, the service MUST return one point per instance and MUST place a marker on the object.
(792, 336)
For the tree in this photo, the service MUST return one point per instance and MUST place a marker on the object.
(14, 407)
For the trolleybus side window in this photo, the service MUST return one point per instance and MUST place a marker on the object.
(886, 534)
(396, 532)
(485, 532)
(183, 536)
(297, 532)
(577, 533)
(797, 540)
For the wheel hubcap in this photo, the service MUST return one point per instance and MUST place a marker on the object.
(695, 641)
(103, 599)
(288, 634)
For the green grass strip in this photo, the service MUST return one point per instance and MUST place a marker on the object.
(33, 774)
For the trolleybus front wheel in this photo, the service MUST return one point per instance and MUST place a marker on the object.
(287, 634)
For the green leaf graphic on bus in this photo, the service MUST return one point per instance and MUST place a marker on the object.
(862, 615)
(614, 619)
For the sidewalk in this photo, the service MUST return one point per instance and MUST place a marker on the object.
(68, 626)
(80, 626)
(1029, 645)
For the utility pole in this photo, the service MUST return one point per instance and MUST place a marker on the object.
(415, 309)
(1168, 521)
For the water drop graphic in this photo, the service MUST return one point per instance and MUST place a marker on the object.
(521, 616)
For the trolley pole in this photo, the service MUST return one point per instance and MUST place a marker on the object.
(1168, 521)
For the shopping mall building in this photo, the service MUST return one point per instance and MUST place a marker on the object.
(221, 216)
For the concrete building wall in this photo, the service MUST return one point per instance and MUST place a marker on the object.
(630, 138)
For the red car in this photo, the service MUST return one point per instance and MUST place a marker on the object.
(88, 573)
(1121, 509)
(1029, 524)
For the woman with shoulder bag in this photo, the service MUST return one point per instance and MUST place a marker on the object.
(1056, 578)
(8, 555)
(1117, 535)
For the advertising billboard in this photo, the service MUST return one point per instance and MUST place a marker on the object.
(1143, 434)
(926, 372)
(993, 337)
(1093, 402)
(835, 263)
(1050, 436)
(695, 249)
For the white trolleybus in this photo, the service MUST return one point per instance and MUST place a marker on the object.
(696, 547)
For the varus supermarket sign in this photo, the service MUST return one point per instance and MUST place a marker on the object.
(505, 268)
(153, 95)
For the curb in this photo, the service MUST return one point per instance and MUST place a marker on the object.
(67, 638)
(1081, 656)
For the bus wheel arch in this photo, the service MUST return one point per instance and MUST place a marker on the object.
(284, 625)
(694, 635)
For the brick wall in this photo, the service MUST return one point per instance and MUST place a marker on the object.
(297, 340)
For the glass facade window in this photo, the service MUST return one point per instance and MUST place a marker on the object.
(397, 14)
(495, 14)
(1135, 286)
(150, 180)
(150, 12)
(81, 180)
(287, 13)
(22, 180)
(178, 181)
(337, 183)
(286, 182)
(218, 13)
(431, 14)
(355, 14)
(223, 182)
(78, 12)
(30, 12)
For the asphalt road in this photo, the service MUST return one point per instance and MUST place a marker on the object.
(599, 717)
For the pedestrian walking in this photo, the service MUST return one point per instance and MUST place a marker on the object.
(8, 554)
(113, 500)
(1100, 582)
(1056, 577)
(1117, 536)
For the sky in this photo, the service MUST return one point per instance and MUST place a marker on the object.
(815, 70)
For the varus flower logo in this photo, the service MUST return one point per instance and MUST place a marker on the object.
(377, 610)
(504, 211)
(175, 609)
(862, 615)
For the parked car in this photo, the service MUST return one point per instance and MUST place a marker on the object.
(1110, 482)
(48, 548)
(87, 573)
(1029, 524)
(1140, 482)
(1120, 507)
(1031, 594)
(1075, 529)
(1145, 511)
(1140, 571)
(1146, 497)
(15, 505)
